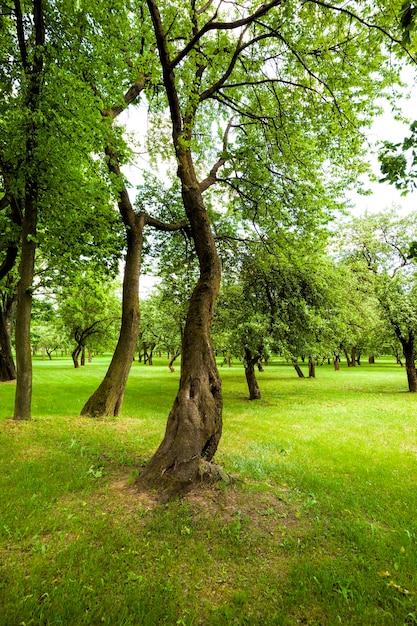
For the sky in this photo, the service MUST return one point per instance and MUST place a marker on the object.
(386, 128)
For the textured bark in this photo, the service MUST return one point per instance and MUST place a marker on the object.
(33, 73)
(195, 422)
(7, 365)
(250, 361)
(410, 366)
(23, 396)
(108, 397)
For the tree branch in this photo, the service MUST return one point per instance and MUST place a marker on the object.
(211, 25)
(130, 96)
(212, 177)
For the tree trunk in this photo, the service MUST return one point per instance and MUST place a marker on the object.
(75, 354)
(410, 366)
(348, 359)
(311, 368)
(33, 72)
(7, 366)
(108, 397)
(253, 387)
(23, 396)
(173, 358)
(371, 359)
(195, 422)
(298, 369)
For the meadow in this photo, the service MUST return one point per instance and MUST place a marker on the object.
(319, 526)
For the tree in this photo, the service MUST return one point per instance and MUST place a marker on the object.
(248, 63)
(88, 308)
(379, 245)
(51, 185)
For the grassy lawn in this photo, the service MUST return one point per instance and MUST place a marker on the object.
(319, 527)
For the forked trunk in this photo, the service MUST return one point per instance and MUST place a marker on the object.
(108, 397)
(195, 422)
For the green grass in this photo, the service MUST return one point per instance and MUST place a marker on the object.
(319, 528)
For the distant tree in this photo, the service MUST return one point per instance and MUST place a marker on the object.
(89, 311)
(378, 245)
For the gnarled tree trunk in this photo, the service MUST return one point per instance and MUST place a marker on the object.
(195, 422)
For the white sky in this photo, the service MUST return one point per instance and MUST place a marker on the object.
(386, 128)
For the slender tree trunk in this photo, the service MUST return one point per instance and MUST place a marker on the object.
(7, 366)
(108, 397)
(75, 354)
(311, 368)
(33, 73)
(23, 396)
(348, 359)
(298, 369)
(174, 357)
(253, 387)
(371, 359)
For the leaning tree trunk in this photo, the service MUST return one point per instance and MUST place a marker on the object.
(298, 369)
(108, 397)
(195, 422)
(253, 387)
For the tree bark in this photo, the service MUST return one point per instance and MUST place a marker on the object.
(107, 400)
(410, 366)
(298, 369)
(348, 359)
(33, 72)
(311, 368)
(195, 422)
(7, 365)
(253, 387)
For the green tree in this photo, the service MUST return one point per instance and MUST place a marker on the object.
(88, 309)
(379, 245)
(267, 74)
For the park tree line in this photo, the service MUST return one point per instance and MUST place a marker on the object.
(255, 116)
